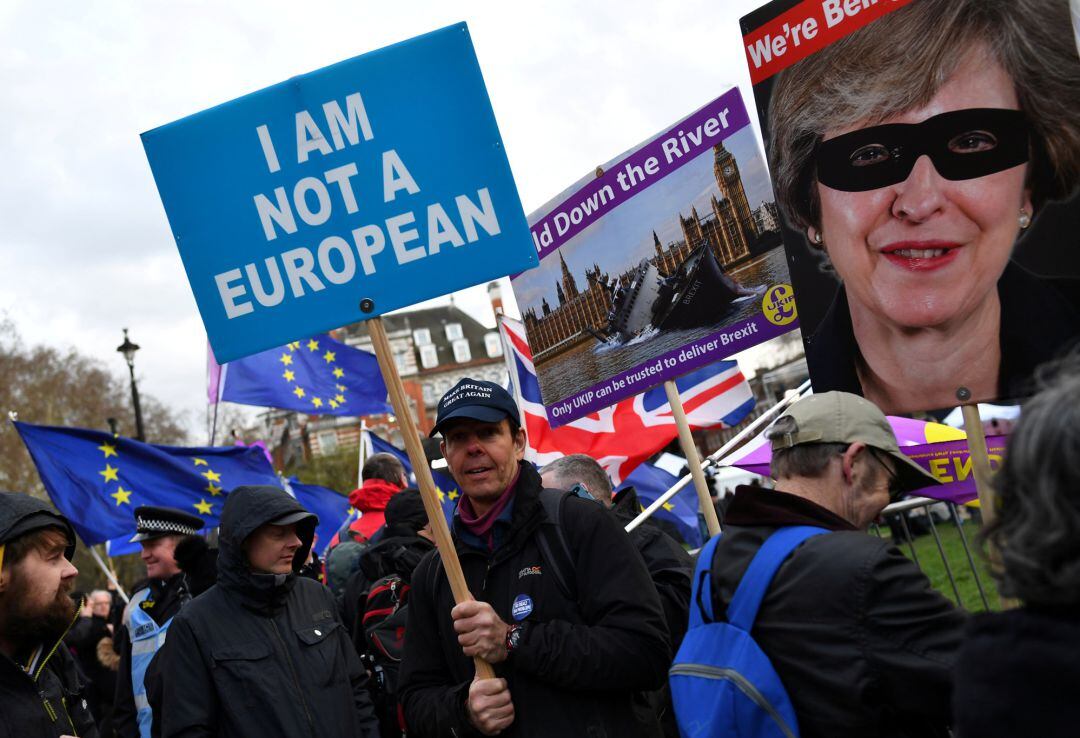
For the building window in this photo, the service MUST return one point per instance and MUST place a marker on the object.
(422, 336)
(429, 394)
(462, 352)
(493, 345)
(453, 331)
(400, 362)
(328, 442)
(429, 356)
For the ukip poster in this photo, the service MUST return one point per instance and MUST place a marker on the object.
(663, 260)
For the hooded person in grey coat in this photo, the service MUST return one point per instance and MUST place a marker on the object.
(263, 651)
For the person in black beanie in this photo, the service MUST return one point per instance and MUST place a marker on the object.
(41, 689)
(198, 561)
(403, 542)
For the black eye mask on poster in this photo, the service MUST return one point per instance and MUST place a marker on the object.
(962, 144)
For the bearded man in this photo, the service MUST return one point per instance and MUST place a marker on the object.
(41, 690)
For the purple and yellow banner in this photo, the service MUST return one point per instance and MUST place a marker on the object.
(940, 449)
(950, 462)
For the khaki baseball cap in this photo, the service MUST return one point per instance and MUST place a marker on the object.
(841, 417)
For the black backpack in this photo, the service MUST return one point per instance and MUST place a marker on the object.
(383, 625)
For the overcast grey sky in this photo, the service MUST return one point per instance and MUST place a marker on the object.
(85, 243)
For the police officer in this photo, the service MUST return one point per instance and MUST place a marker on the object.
(150, 612)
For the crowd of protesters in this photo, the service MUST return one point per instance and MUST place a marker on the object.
(580, 620)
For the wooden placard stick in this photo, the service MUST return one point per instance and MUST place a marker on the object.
(415, 449)
(980, 469)
(693, 459)
(980, 459)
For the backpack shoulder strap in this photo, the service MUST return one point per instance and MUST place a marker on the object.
(755, 582)
(553, 544)
(701, 593)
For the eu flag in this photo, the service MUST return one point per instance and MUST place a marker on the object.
(97, 480)
(319, 376)
(682, 510)
(444, 484)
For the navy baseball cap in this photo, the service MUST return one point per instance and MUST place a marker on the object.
(477, 400)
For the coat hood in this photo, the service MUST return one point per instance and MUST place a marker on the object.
(246, 509)
(373, 495)
(21, 514)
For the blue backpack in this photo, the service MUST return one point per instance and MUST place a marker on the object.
(722, 683)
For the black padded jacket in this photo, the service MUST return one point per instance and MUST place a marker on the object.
(863, 645)
(262, 654)
(579, 662)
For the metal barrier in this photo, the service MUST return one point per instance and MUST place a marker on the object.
(901, 517)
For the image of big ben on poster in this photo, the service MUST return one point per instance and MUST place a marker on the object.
(690, 272)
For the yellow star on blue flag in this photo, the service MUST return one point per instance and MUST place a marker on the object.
(99, 501)
(293, 376)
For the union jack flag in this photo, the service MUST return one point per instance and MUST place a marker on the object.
(622, 436)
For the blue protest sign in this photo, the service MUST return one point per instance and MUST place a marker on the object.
(341, 194)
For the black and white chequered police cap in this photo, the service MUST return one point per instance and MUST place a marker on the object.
(154, 522)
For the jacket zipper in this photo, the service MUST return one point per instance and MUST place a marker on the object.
(714, 672)
(49, 709)
(296, 679)
(67, 714)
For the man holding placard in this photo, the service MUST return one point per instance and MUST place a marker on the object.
(565, 610)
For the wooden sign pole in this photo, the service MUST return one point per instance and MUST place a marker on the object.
(693, 459)
(980, 469)
(415, 449)
(980, 461)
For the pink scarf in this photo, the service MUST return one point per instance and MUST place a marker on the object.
(481, 525)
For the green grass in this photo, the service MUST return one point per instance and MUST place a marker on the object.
(929, 559)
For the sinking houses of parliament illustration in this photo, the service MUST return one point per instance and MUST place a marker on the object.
(731, 230)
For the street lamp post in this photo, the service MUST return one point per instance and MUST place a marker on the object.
(128, 349)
